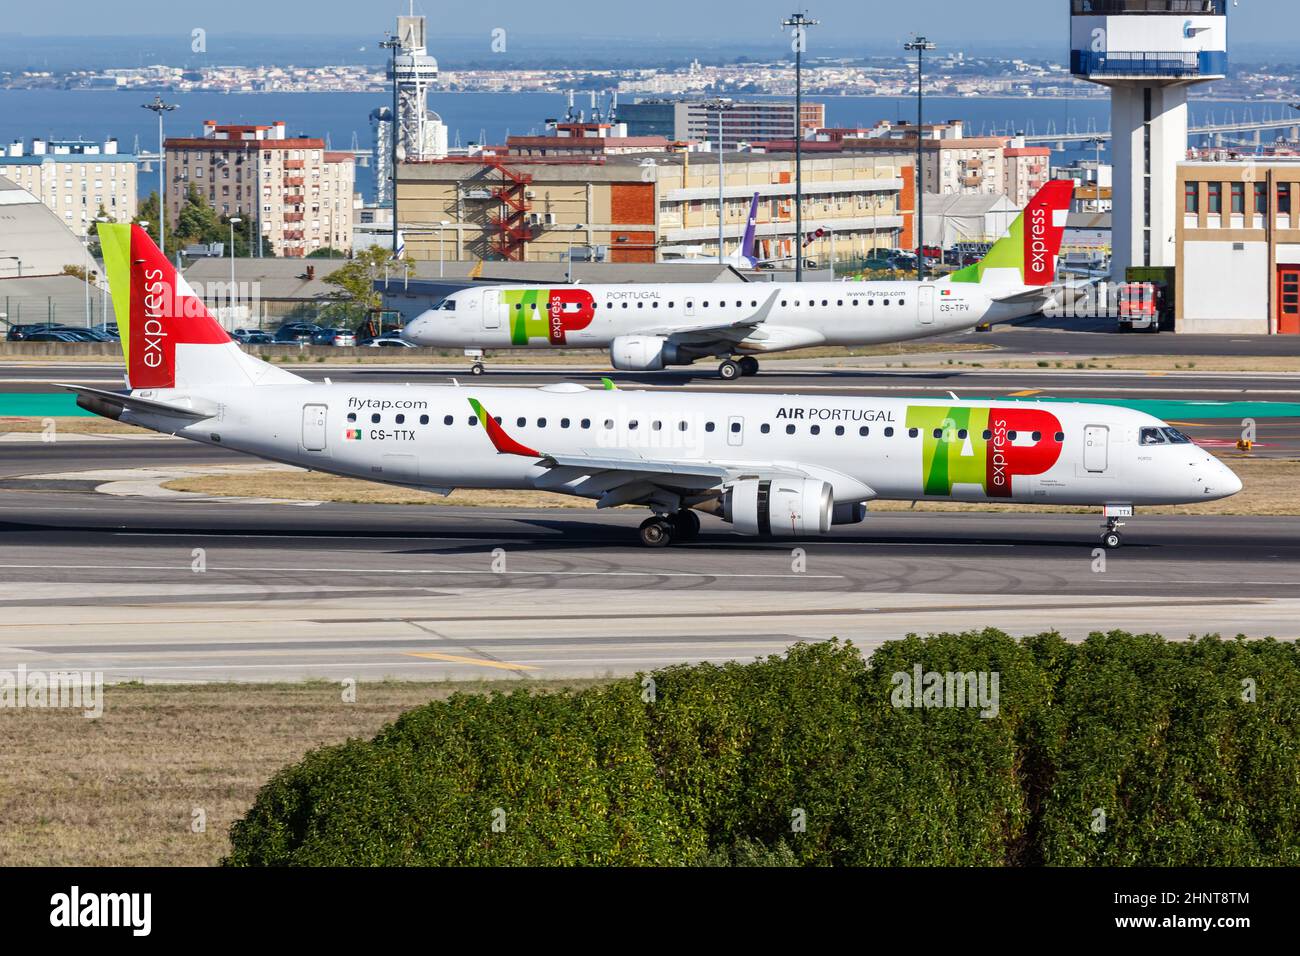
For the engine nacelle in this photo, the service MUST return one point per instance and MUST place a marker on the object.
(854, 513)
(781, 507)
(642, 353)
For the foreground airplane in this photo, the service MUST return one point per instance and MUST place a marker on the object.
(780, 465)
(647, 327)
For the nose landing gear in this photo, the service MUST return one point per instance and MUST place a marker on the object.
(1110, 537)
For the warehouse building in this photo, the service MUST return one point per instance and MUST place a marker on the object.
(1238, 247)
(652, 207)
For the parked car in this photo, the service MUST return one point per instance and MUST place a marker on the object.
(20, 333)
(389, 340)
(109, 329)
(292, 332)
(258, 338)
(53, 336)
(339, 337)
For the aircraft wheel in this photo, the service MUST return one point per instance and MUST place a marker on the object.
(476, 368)
(656, 533)
(1112, 540)
(686, 525)
(729, 371)
(749, 365)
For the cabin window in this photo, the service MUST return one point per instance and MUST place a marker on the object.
(424, 419)
(401, 419)
(839, 429)
(631, 426)
(735, 428)
(816, 429)
(1060, 437)
(784, 303)
(609, 424)
(765, 429)
(854, 302)
(473, 421)
(884, 302)
(352, 416)
(682, 426)
(447, 420)
(708, 426)
(839, 302)
(988, 435)
(374, 419)
(1037, 436)
(864, 431)
(657, 426)
(586, 423)
(889, 432)
(521, 421)
(938, 433)
(961, 435)
(902, 302)
(871, 302)
(913, 432)
(1011, 436)
(789, 429)
(655, 304)
(826, 302)
(541, 423)
(564, 423)
(625, 305)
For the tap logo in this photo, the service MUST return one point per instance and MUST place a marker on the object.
(984, 447)
(549, 314)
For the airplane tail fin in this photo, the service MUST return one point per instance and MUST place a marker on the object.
(748, 246)
(169, 339)
(1027, 254)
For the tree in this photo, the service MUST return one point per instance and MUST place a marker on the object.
(197, 223)
(358, 277)
(327, 252)
(79, 271)
(148, 212)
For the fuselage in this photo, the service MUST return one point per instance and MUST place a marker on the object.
(792, 316)
(865, 448)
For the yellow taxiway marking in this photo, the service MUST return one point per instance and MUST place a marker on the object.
(1026, 393)
(1191, 424)
(1156, 374)
(457, 659)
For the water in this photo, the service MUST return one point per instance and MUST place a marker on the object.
(97, 115)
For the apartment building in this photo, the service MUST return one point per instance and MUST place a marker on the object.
(75, 179)
(697, 120)
(300, 193)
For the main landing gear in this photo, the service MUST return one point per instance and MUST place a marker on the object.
(732, 369)
(1111, 537)
(477, 355)
(659, 532)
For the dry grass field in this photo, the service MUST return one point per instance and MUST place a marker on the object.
(1270, 489)
(122, 790)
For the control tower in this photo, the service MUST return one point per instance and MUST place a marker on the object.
(1149, 52)
(414, 72)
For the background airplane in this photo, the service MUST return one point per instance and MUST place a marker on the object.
(647, 327)
(776, 465)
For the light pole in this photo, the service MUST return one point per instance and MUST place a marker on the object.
(234, 221)
(720, 106)
(443, 224)
(17, 260)
(920, 45)
(393, 43)
(568, 271)
(800, 23)
(159, 107)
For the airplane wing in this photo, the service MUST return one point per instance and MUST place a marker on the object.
(624, 477)
(726, 332)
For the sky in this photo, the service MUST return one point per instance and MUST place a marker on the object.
(995, 23)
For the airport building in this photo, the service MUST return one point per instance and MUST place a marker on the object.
(300, 193)
(696, 120)
(1238, 247)
(652, 207)
(75, 179)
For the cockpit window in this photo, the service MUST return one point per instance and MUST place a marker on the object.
(1152, 436)
(447, 305)
(1176, 437)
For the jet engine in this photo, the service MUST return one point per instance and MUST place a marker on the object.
(642, 353)
(781, 507)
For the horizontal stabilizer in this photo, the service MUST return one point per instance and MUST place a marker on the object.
(113, 404)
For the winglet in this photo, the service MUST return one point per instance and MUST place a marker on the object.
(503, 443)
(609, 385)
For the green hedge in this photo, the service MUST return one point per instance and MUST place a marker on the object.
(1123, 750)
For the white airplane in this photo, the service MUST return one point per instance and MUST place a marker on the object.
(746, 254)
(780, 465)
(647, 327)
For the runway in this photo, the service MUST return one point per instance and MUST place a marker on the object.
(167, 591)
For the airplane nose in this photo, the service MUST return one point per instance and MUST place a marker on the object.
(1227, 484)
(411, 333)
